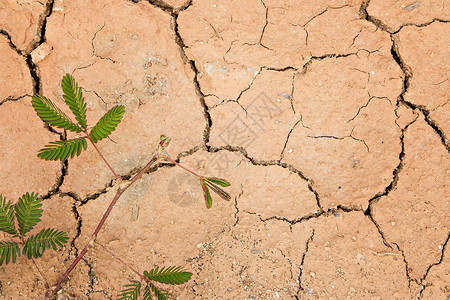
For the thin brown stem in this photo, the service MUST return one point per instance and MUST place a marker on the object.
(50, 292)
(122, 261)
(154, 159)
(172, 161)
(104, 159)
(102, 222)
(108, 211)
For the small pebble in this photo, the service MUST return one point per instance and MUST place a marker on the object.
(134, 213)
(412, 6)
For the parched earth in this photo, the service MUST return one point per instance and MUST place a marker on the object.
(329, 118)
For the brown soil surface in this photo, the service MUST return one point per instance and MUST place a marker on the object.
(329, 118)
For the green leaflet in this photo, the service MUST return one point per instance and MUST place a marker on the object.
(213, 184)
(45, 239)
(7, 217)
(219, 181)
(8, 251)
(74, 99)
(61, 150)
(160, 295)
(224, 195)
(170, 275)
(148, 293)
(28, 212)
(52, 115)
(206, 194)
(107, 123)
(131, 291)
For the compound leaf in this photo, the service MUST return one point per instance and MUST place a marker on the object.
(224, 195)
(219, 181)
(148, 293)
(74, 99)
(107, 123)
(28, 212)
(170, 275)
(160, 294)
(206, 194)
(131, 291)
(52, 115)
(7, 217)
(45, 239)
(61, 150)
(8, 250)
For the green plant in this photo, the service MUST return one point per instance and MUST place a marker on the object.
(171, 275)
(27, 213)
(63, 149)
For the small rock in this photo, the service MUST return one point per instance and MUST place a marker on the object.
(41, 52)
(412, 6)
(134, 213)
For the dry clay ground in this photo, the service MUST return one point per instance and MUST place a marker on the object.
(329, 118)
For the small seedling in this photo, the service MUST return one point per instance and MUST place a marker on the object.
(28, 214)
(207, 183)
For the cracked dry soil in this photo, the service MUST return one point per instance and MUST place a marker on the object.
(330, 119)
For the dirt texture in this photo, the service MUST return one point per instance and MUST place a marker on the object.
(329, 118)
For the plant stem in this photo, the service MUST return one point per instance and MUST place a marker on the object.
(122, 261)
(172, 161)
(108, 211)
(50, 292)
(104, 159)
(89, 245)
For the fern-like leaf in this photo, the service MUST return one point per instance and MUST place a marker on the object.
(148, 293)
(61, 150)
(160, 294)
(74, 99)
(52, 115)
(170, 275)
(131, 291)
(107, 123)
(7, 217)
(45, 239)
(8, 250)
(28, 212)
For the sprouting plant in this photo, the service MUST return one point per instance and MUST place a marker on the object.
(27, 213)
(171, 275)
(63, 149)
(207, 183)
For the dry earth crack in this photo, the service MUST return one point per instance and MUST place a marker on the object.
(344, 178)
